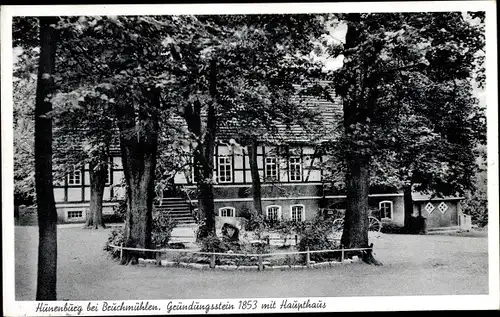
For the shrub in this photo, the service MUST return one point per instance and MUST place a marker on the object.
(255, 221)
(161, 232)
(115, 237)
(163, 224)
(391, 227)
(202, 231)
(213, 244)
(315, 236)
(289, 260)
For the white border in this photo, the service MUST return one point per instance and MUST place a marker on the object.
(402, 303)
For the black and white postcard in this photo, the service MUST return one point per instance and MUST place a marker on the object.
(249, 158)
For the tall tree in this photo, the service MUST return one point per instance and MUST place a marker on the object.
(46, 208)
(381, 52)
(236, 58)
(357, 88)
(437, 122)
(127, 65)
(24, 87)
(83, 136)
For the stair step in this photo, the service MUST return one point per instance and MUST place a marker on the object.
(180, 202)
(173, 204)
(172, 207)
(178, 212)
(188, 217)
(176, 208)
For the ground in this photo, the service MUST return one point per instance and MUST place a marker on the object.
(413, 265)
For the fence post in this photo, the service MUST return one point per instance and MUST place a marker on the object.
(212, 261)
(341, 253)
(158, 258)
(261, 266)
(296, 240)
(121, 252)
(308, 258)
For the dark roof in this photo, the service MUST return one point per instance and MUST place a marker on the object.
(329, 115)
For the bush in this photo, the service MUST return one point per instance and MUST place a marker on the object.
(163, 224)
(391, 227)
(315, 236)
(202, 231)
(476, 205)
(161, 232)
(287, 260)
(115, 237)
(213, 244)
(255, 221)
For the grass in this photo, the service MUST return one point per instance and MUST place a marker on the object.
(413, 265)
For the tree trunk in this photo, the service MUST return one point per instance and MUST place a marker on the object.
(138, 151)
(408, 208)
(46, 208)
(357, 107)
(254, 170)
(98, 170)
(355, 234)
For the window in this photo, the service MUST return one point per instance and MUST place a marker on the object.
(297, 213)
(225, 169)
(226, 212)
(75, 214)
(443, 207)
(385, 208)
(271, 169)
(75, 177)
(273, 213)
(295, 169)
(429, 207)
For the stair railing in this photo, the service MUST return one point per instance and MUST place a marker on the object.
(190, 202)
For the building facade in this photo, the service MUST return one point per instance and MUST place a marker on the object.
(293, 187)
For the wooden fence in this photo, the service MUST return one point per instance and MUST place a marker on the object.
(260, 256)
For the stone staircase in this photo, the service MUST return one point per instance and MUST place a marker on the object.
(178, 209)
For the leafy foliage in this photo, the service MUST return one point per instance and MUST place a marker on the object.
(255, 221)
(212, 243)
(419, 71)
(407, 85)
(476, 200)
(315, 235)
(115, 238)
(24, 85)
(163, 224)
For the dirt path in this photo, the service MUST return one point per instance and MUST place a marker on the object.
(413, 265)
